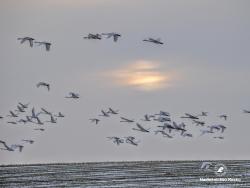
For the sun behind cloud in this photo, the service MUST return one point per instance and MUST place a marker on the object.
(143, 75)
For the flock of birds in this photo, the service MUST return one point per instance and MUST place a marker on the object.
(97, 36)
(26, 115)
(163, 124)
(166, 126)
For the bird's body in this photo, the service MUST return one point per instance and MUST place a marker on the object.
(12, 147)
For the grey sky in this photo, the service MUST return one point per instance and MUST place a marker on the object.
(204, 64)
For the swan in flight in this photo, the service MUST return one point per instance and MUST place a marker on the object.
(126, 120)
(93, 36)
(39, 129)
(203, 114)
(114, 35)
(111, 111)
(22, 121)
(189, 116)
(246, 111)
(205, 132)
(38, 121)
(46, 112)
(105, 114)
(20, 109)
(43, 84)
(60, 115)
(46, 44)
(166, 126)
(223, 116)
(132, 140)
(140, 128)
(156, 41)
(24, 105)
(28, 141)
(95, 120)
(12, 114)
(29, 39)
(162, 113)
(12, 147)
(162, 119)
(163, 133)
(147, 117)
(52, 119)
(73, 95)
(12, 122)
(116, 140)
(197, 122)
(187, 135)
(34, 114)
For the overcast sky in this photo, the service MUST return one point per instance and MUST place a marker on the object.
(203, 66)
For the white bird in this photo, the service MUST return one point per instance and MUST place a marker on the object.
(12, 114)
(116, 140)
(46, 44)
(114, 35)
(105, 114)
(140, 128)
(93, 36)
(28, 141)
(73, 95)
(126, 120)
(12, 147)
(156, 41)
(27, 39)
(60, 115)
(24, 105)
(94, 120)
(131, 140)
(43, 84)
(111, 111)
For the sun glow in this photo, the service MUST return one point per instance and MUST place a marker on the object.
(143, 75)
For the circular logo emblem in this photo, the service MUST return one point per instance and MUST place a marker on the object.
(220, 169)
